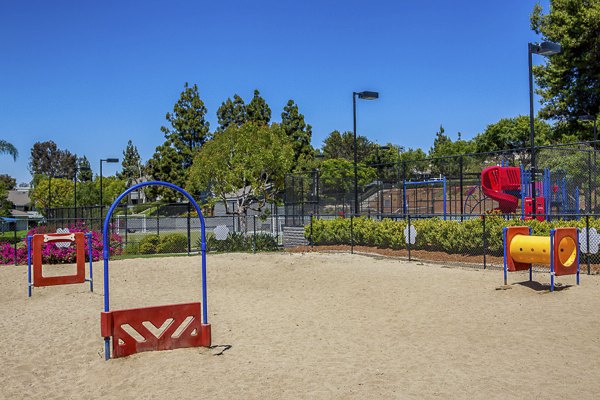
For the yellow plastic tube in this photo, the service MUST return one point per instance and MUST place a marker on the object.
(536, 250)
(531, 249)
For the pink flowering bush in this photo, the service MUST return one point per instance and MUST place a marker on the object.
(7, 253)
(52, 254)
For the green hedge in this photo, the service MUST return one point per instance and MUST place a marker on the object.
(238, 242)
(169, 243)
(453, 237)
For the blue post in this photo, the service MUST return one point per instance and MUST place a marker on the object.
(552, 260)
(444, 198)
(504, 230)
(530, 265)
(523, 192)
(106, 247)
(91, 279)
(547, 193)
(29, 283)
(578, 250)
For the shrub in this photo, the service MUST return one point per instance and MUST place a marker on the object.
(51, 254)
(449, 236)
(149, 244)
(238, 242)
(173, 243)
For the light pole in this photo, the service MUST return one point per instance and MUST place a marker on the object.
(543, 49)
(366, 95)
(110, 161)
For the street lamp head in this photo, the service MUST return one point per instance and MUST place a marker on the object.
(366, 95)
(586, 118)
(111, 160)
(546, 48)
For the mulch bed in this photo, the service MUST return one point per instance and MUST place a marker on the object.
(438, 257)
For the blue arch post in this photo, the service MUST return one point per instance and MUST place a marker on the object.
(106, 247)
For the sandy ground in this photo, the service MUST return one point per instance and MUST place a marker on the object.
(310, 326)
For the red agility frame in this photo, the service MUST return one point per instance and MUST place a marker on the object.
(173, 336)
(39, 239)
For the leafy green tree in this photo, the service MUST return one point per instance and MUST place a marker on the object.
(337, 178)
(47, 159)
(385, 160)
(61, 192)
(8, 148)
(133, 169)
(341, 145)
(84, 170)
(443, 163)
(166, 165)
(512, 134)
(232, 113)
(300, 135)
(245, 164)
(569, 83)
(258, 110)
(414, 164)
(8, 182)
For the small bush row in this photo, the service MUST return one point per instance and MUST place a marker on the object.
(238, 242)
(450, 236)
(155, 244)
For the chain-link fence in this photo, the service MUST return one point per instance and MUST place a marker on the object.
(174, 228)
(470, 240)
(563, 181)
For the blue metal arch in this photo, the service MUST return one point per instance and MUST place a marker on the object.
(106, 250)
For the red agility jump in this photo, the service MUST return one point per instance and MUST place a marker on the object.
(165, 327)
(34, 253)
(155, 328)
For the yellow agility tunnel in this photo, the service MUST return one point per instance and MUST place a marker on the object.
(560, 251)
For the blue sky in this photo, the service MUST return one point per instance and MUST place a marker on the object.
(91, 75)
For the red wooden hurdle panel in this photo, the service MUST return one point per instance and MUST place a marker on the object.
(39, 239)
(167, 323)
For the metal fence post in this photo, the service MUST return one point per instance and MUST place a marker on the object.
(158, 220)
(351, 233)
(589, 196)
(15, 239)
(462, 211)
(587, 234)
(126, 228)
(254, 234)
(311, 232)
(484, 243)
(408, 236)
(189, 238)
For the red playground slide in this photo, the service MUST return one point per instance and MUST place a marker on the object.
(496, 180)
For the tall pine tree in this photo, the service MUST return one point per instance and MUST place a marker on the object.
(258, 110)
(84, 170)
(133, 169)
(300, 135)
(232, 113)
(189, 130)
